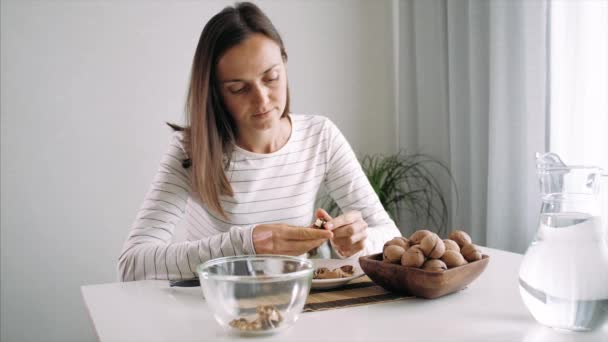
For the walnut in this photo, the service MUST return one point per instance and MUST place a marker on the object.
(393, 254)
(434, 265)
(320, 273)
(418, 235)
(348, 269)
(453, 259)
(413, 257)
(460, 237)
(451, 245)
(432, 246)
(397, 241)
(470, 252)
(319, 224)
(268, 317)
(240, 323)
(341, 272)
(406, 240)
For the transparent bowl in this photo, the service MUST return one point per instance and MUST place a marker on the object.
(256, 294)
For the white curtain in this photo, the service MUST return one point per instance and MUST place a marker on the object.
(472, 92)
(579, 81)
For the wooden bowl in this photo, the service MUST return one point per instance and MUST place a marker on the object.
(419, 282)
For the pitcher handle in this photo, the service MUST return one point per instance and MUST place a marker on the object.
(548, 160)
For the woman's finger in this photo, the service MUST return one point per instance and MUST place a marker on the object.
(356, 247)
(343, 220)
(360, 236)
(350, 249)
(350, 230)
(297, 247)
(303, 233)
(322, 214)
(350, 240)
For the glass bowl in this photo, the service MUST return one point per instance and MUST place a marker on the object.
(256, 294)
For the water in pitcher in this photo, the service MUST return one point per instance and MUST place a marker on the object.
(563, 278)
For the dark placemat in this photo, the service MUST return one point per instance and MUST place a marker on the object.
(361, 291)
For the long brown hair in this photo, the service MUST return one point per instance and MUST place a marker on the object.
(210, 133)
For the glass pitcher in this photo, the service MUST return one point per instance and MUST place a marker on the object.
(563, 278)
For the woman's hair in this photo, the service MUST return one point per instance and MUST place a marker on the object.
(209, 136)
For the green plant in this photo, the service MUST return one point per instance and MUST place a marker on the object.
(405, 184)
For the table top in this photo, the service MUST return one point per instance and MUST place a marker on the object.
(489, 309)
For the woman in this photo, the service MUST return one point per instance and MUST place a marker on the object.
(245, 172)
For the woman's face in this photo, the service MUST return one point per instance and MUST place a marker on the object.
(252, 82)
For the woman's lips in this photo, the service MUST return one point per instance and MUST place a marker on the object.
(263, 114)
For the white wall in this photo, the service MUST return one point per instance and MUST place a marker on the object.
(85, 89)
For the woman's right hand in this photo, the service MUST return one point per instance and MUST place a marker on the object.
(279, 238)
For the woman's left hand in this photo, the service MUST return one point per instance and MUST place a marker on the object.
(350, 231)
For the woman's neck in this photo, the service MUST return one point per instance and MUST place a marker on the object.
(266, 141)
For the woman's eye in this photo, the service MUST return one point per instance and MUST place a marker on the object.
(238, 91)
(272, 76)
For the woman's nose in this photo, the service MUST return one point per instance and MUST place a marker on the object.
(260, 95)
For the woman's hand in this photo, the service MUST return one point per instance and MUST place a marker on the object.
(350, 231)
(283, 239)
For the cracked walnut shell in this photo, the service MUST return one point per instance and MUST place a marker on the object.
(341, 272)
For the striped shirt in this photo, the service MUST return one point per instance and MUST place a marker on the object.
(278, 187)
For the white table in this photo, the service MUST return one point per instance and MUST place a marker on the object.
(490, 309)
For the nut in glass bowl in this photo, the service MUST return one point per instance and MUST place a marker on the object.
(256, 294)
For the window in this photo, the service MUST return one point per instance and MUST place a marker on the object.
(579, 81)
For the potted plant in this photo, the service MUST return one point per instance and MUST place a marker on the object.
(405, 184)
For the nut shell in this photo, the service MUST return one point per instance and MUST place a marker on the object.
(451, 245)
(432, 246)
(460, 237)
(453, 259)
(393, 254)
(397, 241)
(470, 252)
(404, 239)
(418, 235)
(434, 265)
(413, 257)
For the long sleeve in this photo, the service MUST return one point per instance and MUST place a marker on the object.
(149, 253)
(348, 185)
